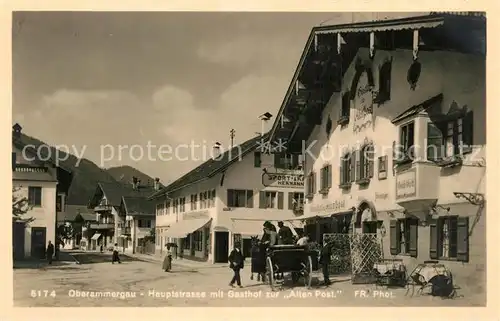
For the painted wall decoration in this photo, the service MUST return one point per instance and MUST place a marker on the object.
(362, 95)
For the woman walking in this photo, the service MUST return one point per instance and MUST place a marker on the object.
(167, 261)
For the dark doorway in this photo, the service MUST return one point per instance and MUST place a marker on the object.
(221, 247)
(18, 240)
(369, 227)
(38, 241)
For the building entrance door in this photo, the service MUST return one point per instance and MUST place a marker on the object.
(38, 242)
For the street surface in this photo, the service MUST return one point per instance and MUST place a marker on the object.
(136, 283)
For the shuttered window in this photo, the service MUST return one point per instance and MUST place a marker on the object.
(347, 164)
(326, 178)
(239, 198)
(271, 199)
(311, 184)
(450, 238)
(404, 237)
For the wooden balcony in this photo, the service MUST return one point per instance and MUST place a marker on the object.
(102, 208)
(102, 226)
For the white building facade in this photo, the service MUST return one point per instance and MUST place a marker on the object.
(399, 146)
(229, 200)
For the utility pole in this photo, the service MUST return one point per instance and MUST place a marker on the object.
(231, 135)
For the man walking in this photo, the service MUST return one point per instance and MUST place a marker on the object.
(324, 260)
(115, 258)
(50, 252)
(236, 262)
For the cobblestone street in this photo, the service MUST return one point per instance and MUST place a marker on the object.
(144, 284)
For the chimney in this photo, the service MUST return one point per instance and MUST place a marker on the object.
(16, 130)
(156, 184)
(135, 182)
(216, 150)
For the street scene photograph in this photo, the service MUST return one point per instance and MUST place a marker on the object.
(249, 159)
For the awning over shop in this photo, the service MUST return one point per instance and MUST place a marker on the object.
(182, 228)
(96, 236)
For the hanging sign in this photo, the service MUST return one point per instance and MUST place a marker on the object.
(283, 180)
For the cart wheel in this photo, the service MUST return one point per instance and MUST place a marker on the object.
(308, 272)
(270, 273)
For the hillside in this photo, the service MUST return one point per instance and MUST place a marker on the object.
(86, 175)
(125, 173)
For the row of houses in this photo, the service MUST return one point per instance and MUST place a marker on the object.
(116, 213)
(384, 129)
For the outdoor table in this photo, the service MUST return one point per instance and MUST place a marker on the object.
(423, 273)
(391, 272)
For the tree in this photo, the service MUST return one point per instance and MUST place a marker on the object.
(20, 206)
(65, 232)
(151, 238)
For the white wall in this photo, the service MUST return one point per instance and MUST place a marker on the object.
(458, 77)
(45, 215)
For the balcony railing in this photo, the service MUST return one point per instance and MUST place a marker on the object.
(102, 208)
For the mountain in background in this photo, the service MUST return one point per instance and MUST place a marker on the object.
(125, 173)
(88, 174)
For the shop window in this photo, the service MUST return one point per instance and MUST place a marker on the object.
(345, 109)
(449, 238)
(35, 196)
(271, 199)
(198, 241)
(365, 164)
(239, 198)
(450, 138)
(257, 159)
(187, 242)
(382, 167)
(406, 151)
(295, 200)
(325, 179)
(311, 185)
(404, 236)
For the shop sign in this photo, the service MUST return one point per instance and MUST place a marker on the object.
(406, 184)
(333, 207)
(283, 180)
(196, 214)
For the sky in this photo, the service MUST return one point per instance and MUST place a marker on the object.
(109, 80)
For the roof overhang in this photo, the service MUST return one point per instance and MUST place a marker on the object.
(464, 33)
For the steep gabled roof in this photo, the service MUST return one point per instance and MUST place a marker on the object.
(466, 33)
(212, 166)
(115, 191)
(138, 206)
(73, 211)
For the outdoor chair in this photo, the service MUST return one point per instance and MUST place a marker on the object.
(427, 275)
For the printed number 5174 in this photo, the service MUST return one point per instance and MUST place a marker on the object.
(43, 293)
